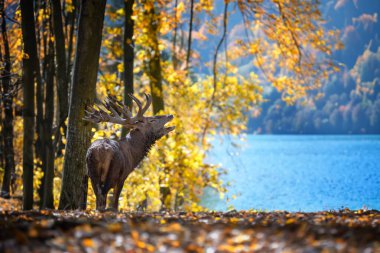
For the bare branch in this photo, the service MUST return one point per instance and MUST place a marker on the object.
(211, 103)
(225, 21)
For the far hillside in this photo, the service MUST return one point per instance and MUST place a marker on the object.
(350, 102)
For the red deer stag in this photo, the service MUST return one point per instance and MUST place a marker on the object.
(109, 162)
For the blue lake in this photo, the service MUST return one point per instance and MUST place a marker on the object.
(298, 173)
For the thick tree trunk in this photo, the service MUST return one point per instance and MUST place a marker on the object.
(7, 131)
(128, 55)
(74, 187)
(62, 77)
(48, 200)
(30, 51)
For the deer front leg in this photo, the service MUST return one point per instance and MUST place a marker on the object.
(101, 199)
(116, 195)
(101, 202)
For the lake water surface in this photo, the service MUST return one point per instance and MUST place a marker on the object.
(298, 173)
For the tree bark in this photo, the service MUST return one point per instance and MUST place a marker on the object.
(1, 130)
(62, 77)
(74, 187)
(9, 170)
(190, 34)
(155, 66)
(174, 58)
(128, 55)
(28, 75)
(48, 200)
(72, 20)
(40, 146)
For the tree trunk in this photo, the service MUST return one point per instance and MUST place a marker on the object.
(72, 21)
(30, 54)
(48, 200)
(128, 55)
(174, 57)
(1, 130)
(190, 34)
(74, 187)
(40, 145)
(155, 66)
(60, 54)
(9, 170)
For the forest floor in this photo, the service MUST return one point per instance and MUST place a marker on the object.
(244, 231)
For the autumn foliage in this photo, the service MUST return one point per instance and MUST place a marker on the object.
(282, 43)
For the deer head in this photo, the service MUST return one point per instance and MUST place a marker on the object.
(118, 113)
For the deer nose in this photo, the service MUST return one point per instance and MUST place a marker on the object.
(170, 116)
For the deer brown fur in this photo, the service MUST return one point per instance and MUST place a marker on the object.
(109, 162)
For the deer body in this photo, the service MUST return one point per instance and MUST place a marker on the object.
(109, 162)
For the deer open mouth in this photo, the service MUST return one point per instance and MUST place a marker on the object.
(169, 128)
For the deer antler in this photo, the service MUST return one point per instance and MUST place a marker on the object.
(118, 112)
(148, 103)
(119, 107)
(141, 111)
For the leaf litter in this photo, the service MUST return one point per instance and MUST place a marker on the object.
(243, 231)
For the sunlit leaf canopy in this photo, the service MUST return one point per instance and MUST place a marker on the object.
(238, 49)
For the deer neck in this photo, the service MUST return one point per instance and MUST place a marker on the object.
(137, 144)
